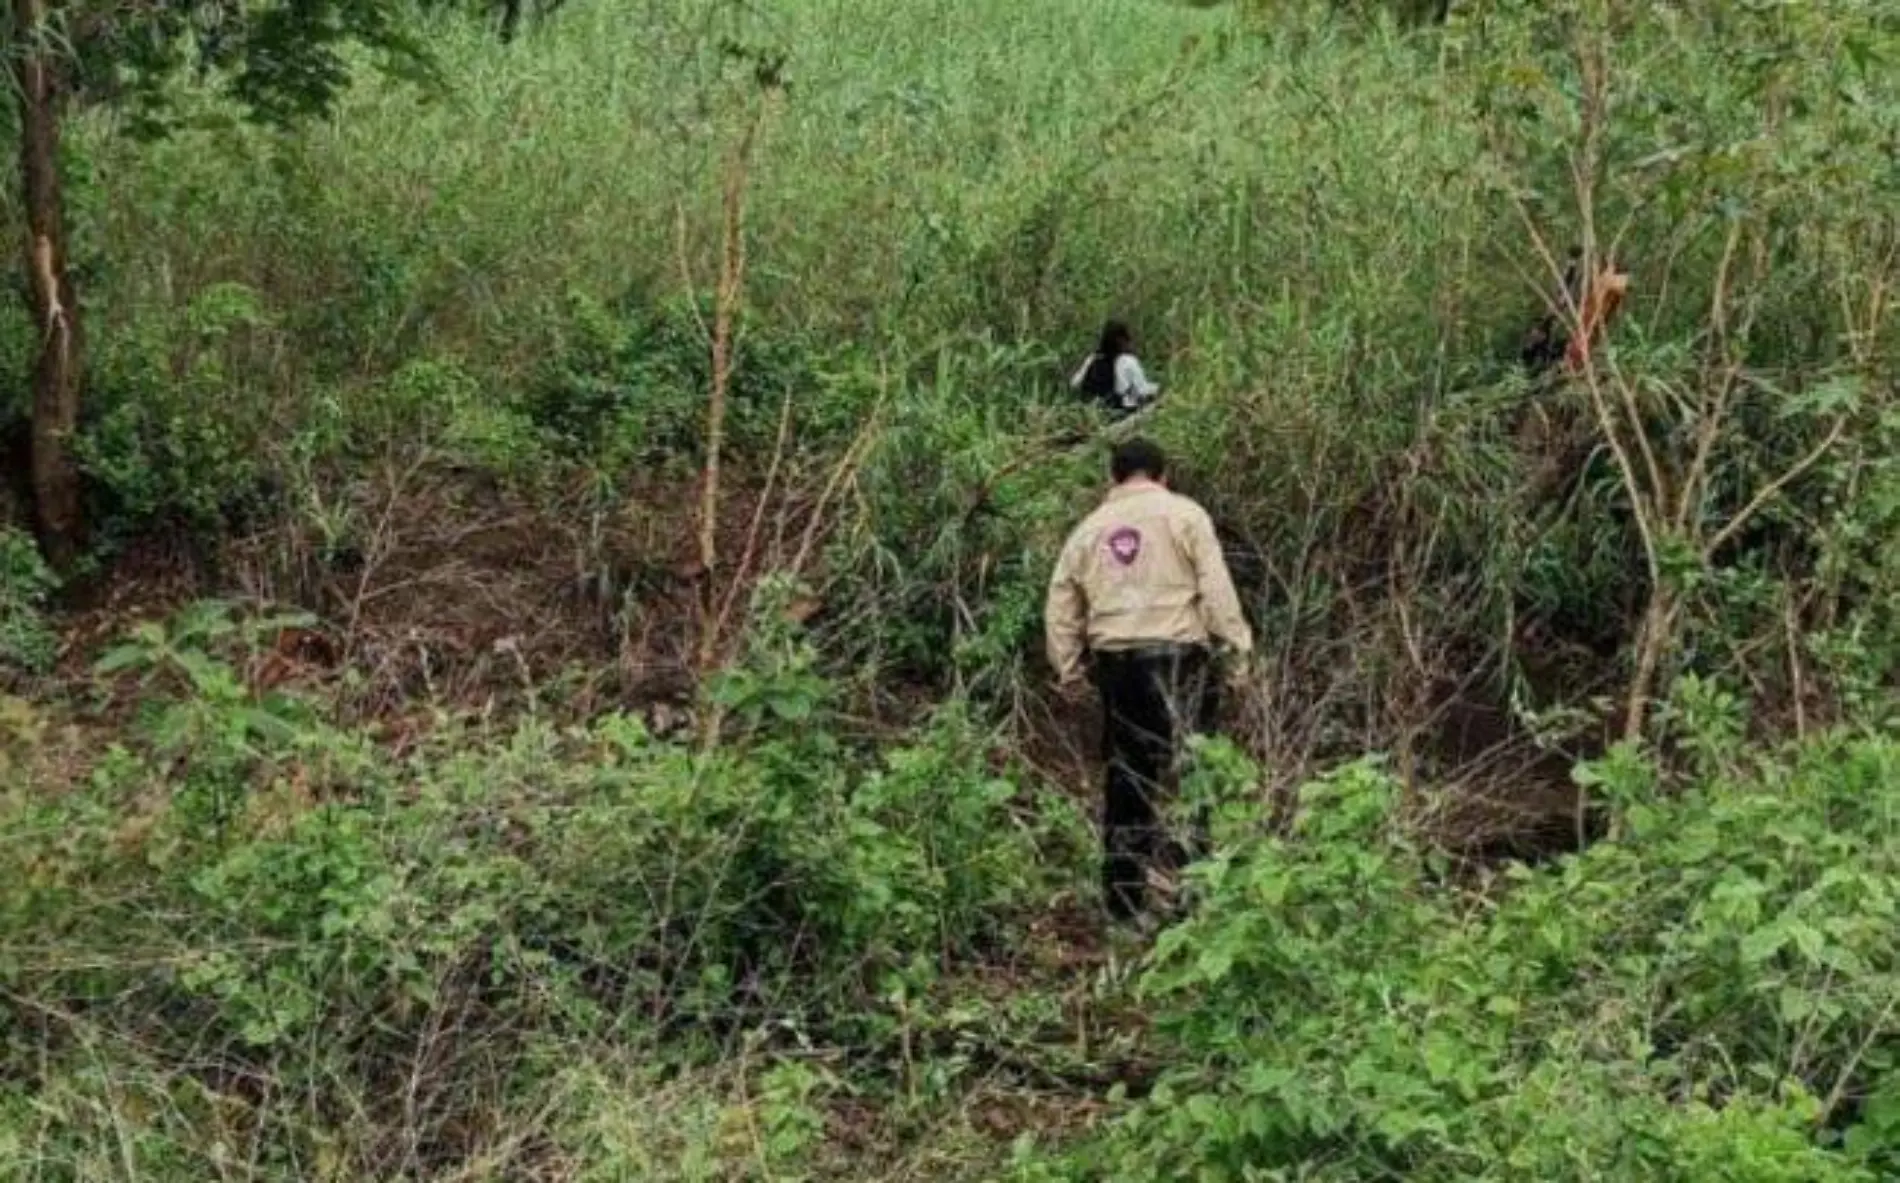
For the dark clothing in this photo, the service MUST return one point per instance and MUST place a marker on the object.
(1098, 378)
(1546, 342)
(1153, 698)
(1117, 381)
(1543, 346)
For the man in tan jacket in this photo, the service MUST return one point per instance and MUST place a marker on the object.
(1139, 597)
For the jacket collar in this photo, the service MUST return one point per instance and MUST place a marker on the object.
(1134, 489)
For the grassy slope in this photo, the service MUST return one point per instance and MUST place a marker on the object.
(560, 161)
(1292, 225)
(940, 167)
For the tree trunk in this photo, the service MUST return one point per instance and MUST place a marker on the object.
(55, 475)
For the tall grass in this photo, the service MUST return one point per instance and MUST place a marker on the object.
(442, 359)
(561, 161)
(1329, 234)
(942, 168)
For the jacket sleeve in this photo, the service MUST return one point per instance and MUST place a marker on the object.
(1131, 381)
(1065, 618)
(1220, 603)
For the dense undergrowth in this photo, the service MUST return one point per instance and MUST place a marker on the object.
(463, 871)
(263, 935)
(252, 944)
(1708, 995)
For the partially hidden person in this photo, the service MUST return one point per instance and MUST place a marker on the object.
(1113, 375)
(1142, 603)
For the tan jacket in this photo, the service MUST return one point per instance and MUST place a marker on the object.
(1145, 568)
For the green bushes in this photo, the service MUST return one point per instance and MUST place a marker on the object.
(246, 926)
(967, 486)
(153, 447)
(247, 938)
(1321, 223)
(1709, 995)
(240, 881)
(28, 642)
(626, 385)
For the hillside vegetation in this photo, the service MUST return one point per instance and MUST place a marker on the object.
(553, 689)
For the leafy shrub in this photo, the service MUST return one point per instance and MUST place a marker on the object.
(769, 869)
(435, 408)
(27, 640)
(627, 385)
(968, 488)
(302, 904)
(151, 448)
(1689, 1001)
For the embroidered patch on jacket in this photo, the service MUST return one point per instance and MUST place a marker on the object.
(1124, 543)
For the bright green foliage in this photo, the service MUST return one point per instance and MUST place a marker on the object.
(625, 386)
(241, 879)
(154, 454)
(1683, 1003)
(969, 489)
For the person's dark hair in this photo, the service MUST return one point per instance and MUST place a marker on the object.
(1099, 379)
(1137, 457)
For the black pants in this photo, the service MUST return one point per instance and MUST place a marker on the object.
(1152, 700)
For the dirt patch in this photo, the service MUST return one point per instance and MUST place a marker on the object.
(150, 579)
(449, 588)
